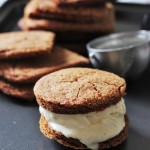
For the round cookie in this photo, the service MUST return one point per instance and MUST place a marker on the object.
(79, 90)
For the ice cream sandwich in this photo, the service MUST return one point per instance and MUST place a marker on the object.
(83, 108)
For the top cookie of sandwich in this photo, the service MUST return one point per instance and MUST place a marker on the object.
(79, 90)
(24, 44)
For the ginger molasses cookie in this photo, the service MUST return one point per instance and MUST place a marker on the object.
(32, 69)
(40, 9)
(24, 92)
(25, 44)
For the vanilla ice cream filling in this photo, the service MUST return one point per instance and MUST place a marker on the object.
(90, 128)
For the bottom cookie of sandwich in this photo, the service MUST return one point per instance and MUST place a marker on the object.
(75, 143)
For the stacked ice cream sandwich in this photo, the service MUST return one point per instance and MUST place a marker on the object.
(75, 22)
(83, 108)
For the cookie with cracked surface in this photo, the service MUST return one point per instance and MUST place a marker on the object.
(24, 92)
(75, 143)
(33, 69)
(25, 44)
(79, 90)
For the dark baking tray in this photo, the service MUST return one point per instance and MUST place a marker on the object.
(19, 129)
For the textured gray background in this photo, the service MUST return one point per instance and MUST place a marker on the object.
(19, 128)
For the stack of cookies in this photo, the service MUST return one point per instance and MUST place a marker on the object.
(27, 56)
(75, 22)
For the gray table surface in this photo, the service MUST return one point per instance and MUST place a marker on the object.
(19, 121)
(19, 129)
